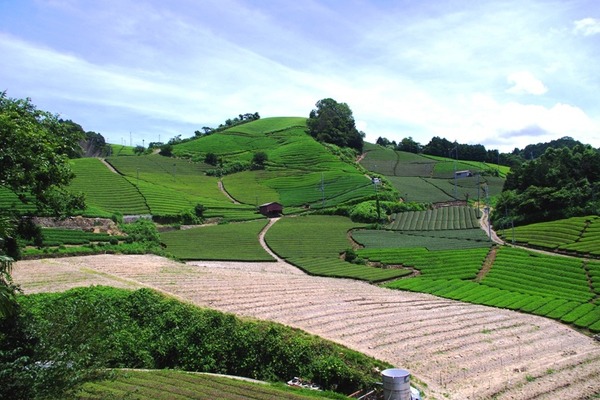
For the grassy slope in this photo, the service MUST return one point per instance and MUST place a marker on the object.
(139, 385)
(238, 242)
(296, 166)
(431, 179)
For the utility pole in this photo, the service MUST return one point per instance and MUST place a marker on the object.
(323, 189)
(376, 182)
(455, 150)
(478, 189)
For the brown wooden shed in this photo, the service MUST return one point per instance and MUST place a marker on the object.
(271, 209)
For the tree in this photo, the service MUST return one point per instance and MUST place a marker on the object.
(561, 183)
(409, 145)
(211, 159)
(34, 162)
(259, 159)
(166, 150)
(381, 141)
(332, 122)
(438, 146)
(8, 289)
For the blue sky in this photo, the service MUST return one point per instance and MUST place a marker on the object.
(501, 73)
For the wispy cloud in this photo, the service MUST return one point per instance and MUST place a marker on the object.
(523, 82)
(472, 72)
(587, 26)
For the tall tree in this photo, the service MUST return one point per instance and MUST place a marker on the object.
(332, 122)
(34, 158)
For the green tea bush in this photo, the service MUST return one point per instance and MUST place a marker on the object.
(100, 327)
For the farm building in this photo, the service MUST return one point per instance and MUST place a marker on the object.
(270, 209)
(463, 174)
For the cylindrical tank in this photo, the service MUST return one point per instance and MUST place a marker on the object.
(396, 384)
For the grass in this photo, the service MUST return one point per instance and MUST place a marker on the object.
(431, 240)
(431, 179)
(106, 190)
(551, 286)
(234, 242)
(173, 384)
(296, 165)
(10, 201)
(442, 218)
(314, 244)
(446, 264)
(416, 188)
(57, 237)
(579, 235)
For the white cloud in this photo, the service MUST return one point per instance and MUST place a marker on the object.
(587, 26)
(523, 82)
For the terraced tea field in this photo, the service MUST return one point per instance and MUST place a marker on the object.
(458, 350)
(579, 235)
(151, 385)
(556, 287)
(431, 179)
(443, 218)
(105, 189)
(209, 242)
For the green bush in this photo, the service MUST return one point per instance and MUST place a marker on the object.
(85, 330)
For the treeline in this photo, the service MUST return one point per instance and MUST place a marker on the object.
(60, 340)
(444, 148)
(229, 122)
(476, 152)
(561, 183)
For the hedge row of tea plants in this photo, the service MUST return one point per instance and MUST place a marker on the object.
(105, 189)
(431, 240)
(437, 219)
(157, 384)
(236, 242)
(581, 314)
(85, 330)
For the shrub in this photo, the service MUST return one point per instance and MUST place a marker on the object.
(365, 212)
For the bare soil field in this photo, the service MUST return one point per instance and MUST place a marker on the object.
(453, 350)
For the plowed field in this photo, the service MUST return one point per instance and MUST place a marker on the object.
(459, 351)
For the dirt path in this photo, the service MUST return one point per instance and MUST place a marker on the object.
(110, 167)
(460, 351)
(483, 222)
(226, 193)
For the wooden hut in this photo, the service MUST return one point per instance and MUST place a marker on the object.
(272, 209)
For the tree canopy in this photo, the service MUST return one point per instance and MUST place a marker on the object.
(332, 122)
(34, 157)
(561, 183)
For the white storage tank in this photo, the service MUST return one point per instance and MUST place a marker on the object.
(396, 384)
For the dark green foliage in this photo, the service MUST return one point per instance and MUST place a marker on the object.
(332, 122)
(561, 183)
(34, 151)
(199, 210)
(166, 150)
(259, 159)
(85, 329)
(211, 158)
(142, 231)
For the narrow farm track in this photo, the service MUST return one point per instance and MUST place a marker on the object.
(459, 351)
